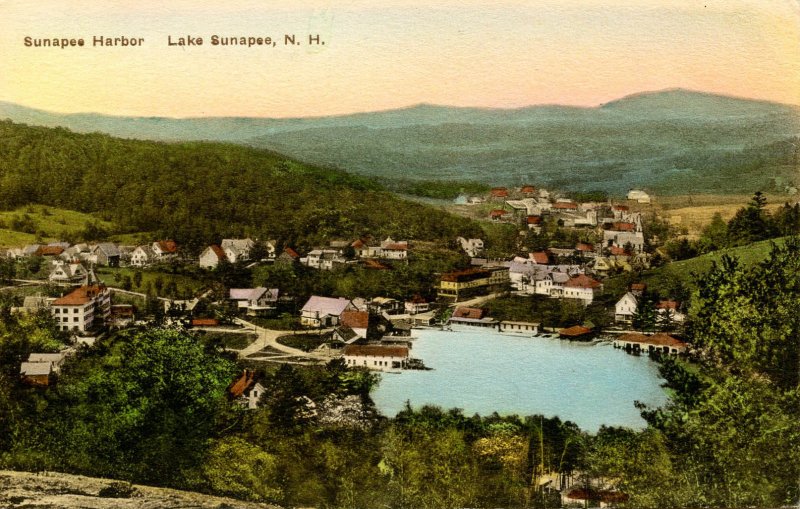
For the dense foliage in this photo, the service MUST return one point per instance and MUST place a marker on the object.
(197, 193)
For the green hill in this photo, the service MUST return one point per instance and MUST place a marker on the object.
(671, 142)
(198, 192)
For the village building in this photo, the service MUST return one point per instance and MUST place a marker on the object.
(473, 281)
(344, 334)
(164, 250)
(519, 327)
(386, 305)
(211, 257)
(33, 304)
(255, 301)
(84, 309)
(324, 311)
(534, 223)
(625, 308)
(143, 255)
(659, 343)
(324, 259)
(68, 273)
(639, 196)
(237, 250)
(394, 250)
(473, 247)
(288, 257)
(583, 288)
(106, 254)
(50, 251)
(246, 391)
(498, 194)
(528, 191)
(36, 373)
(500, 215)
(76, 253)
(552, 284)
(474, 317)
(670, 310)
(122, 315)
(357, 321)
(376, 357)
(576, 332)
(417, 304)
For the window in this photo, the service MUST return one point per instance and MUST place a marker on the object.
(75, 319)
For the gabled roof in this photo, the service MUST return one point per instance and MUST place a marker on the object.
(354, 319)
(217, 251)
(659, 339)
(575, 331)
(623, 226)
(167, 246)
(291, 252)
(540, 257)
(36, 368)
(467, 312)
(326, 305)
(80, 296)
(346, 333)
(499, 192)
(49, 251)
(242, 384)
(618, 251)
(582, 281)
(563, 205)
(146, 249)
(528, 189)
(534, 219)
(582, 246)
(375, 351)
(240, 245)
(108, 248)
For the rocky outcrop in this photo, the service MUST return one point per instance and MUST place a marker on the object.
(53, 490)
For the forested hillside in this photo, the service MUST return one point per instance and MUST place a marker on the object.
(196, 192)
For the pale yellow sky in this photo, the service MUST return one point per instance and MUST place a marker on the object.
(390, 54)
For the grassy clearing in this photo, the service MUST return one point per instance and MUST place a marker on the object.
(232, 340)
(663, 278)
(46, 223)
(304, 342)
(186, 287)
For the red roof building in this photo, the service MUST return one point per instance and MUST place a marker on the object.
(468, 312)
(584, 247)
(499, 192)
(575, 332)
(623, 227)
(528, 190)
(498, 214)
(540, 257)
(583, 281)
(168, 246)
(565, 205)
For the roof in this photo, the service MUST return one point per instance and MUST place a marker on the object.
(621, 208)
(499, 192)
(46, 357)
(354, 319)
(638, 287)
(466, 275)
(326, 305)
(80, 296)
(217, 251)
(35, 301)
(618, 251)
(358, 243)
(346, 333)
(563, 205)
(108, 248)
(398, 246)
(201, 322)
(540, 257)
(668, 304)
(498, 213)
(575, 331)
(49, 251)
(623, 226)
(167, 246)
(528, 189)
(376, 351)
(467, 312)
(582, 281)
(291, 252)
(244, 382)
(534, 219)
(583, 246)
(659, 339)
(35, 368)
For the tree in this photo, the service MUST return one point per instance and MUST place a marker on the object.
(751, 223)
(645, 316)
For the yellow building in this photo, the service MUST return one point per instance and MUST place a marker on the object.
(476, 281)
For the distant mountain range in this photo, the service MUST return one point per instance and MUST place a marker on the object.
(673, 141)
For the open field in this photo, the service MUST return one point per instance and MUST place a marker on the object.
(186, 286)
(47, 223)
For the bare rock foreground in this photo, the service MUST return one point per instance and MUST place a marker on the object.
(53, 490)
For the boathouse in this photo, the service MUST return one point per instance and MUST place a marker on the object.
(636, 342)
(519, 327)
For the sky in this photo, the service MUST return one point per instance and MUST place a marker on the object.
(386, 54)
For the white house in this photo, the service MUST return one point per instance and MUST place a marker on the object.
(473, 247)
(638, 196)
(323, 259)
(211, 256)
(394, 250)
(583, 288)
(256, 301)
(670, 309)
(324, 311)
(237, 250)
(142, 256)
(246, 390)
(68, 273)
(376, 357)
(625, 308)
(164, 249)
(83, 309)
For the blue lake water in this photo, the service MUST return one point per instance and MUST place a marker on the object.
(482, 372)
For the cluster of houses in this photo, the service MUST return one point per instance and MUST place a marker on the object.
(340, 253)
